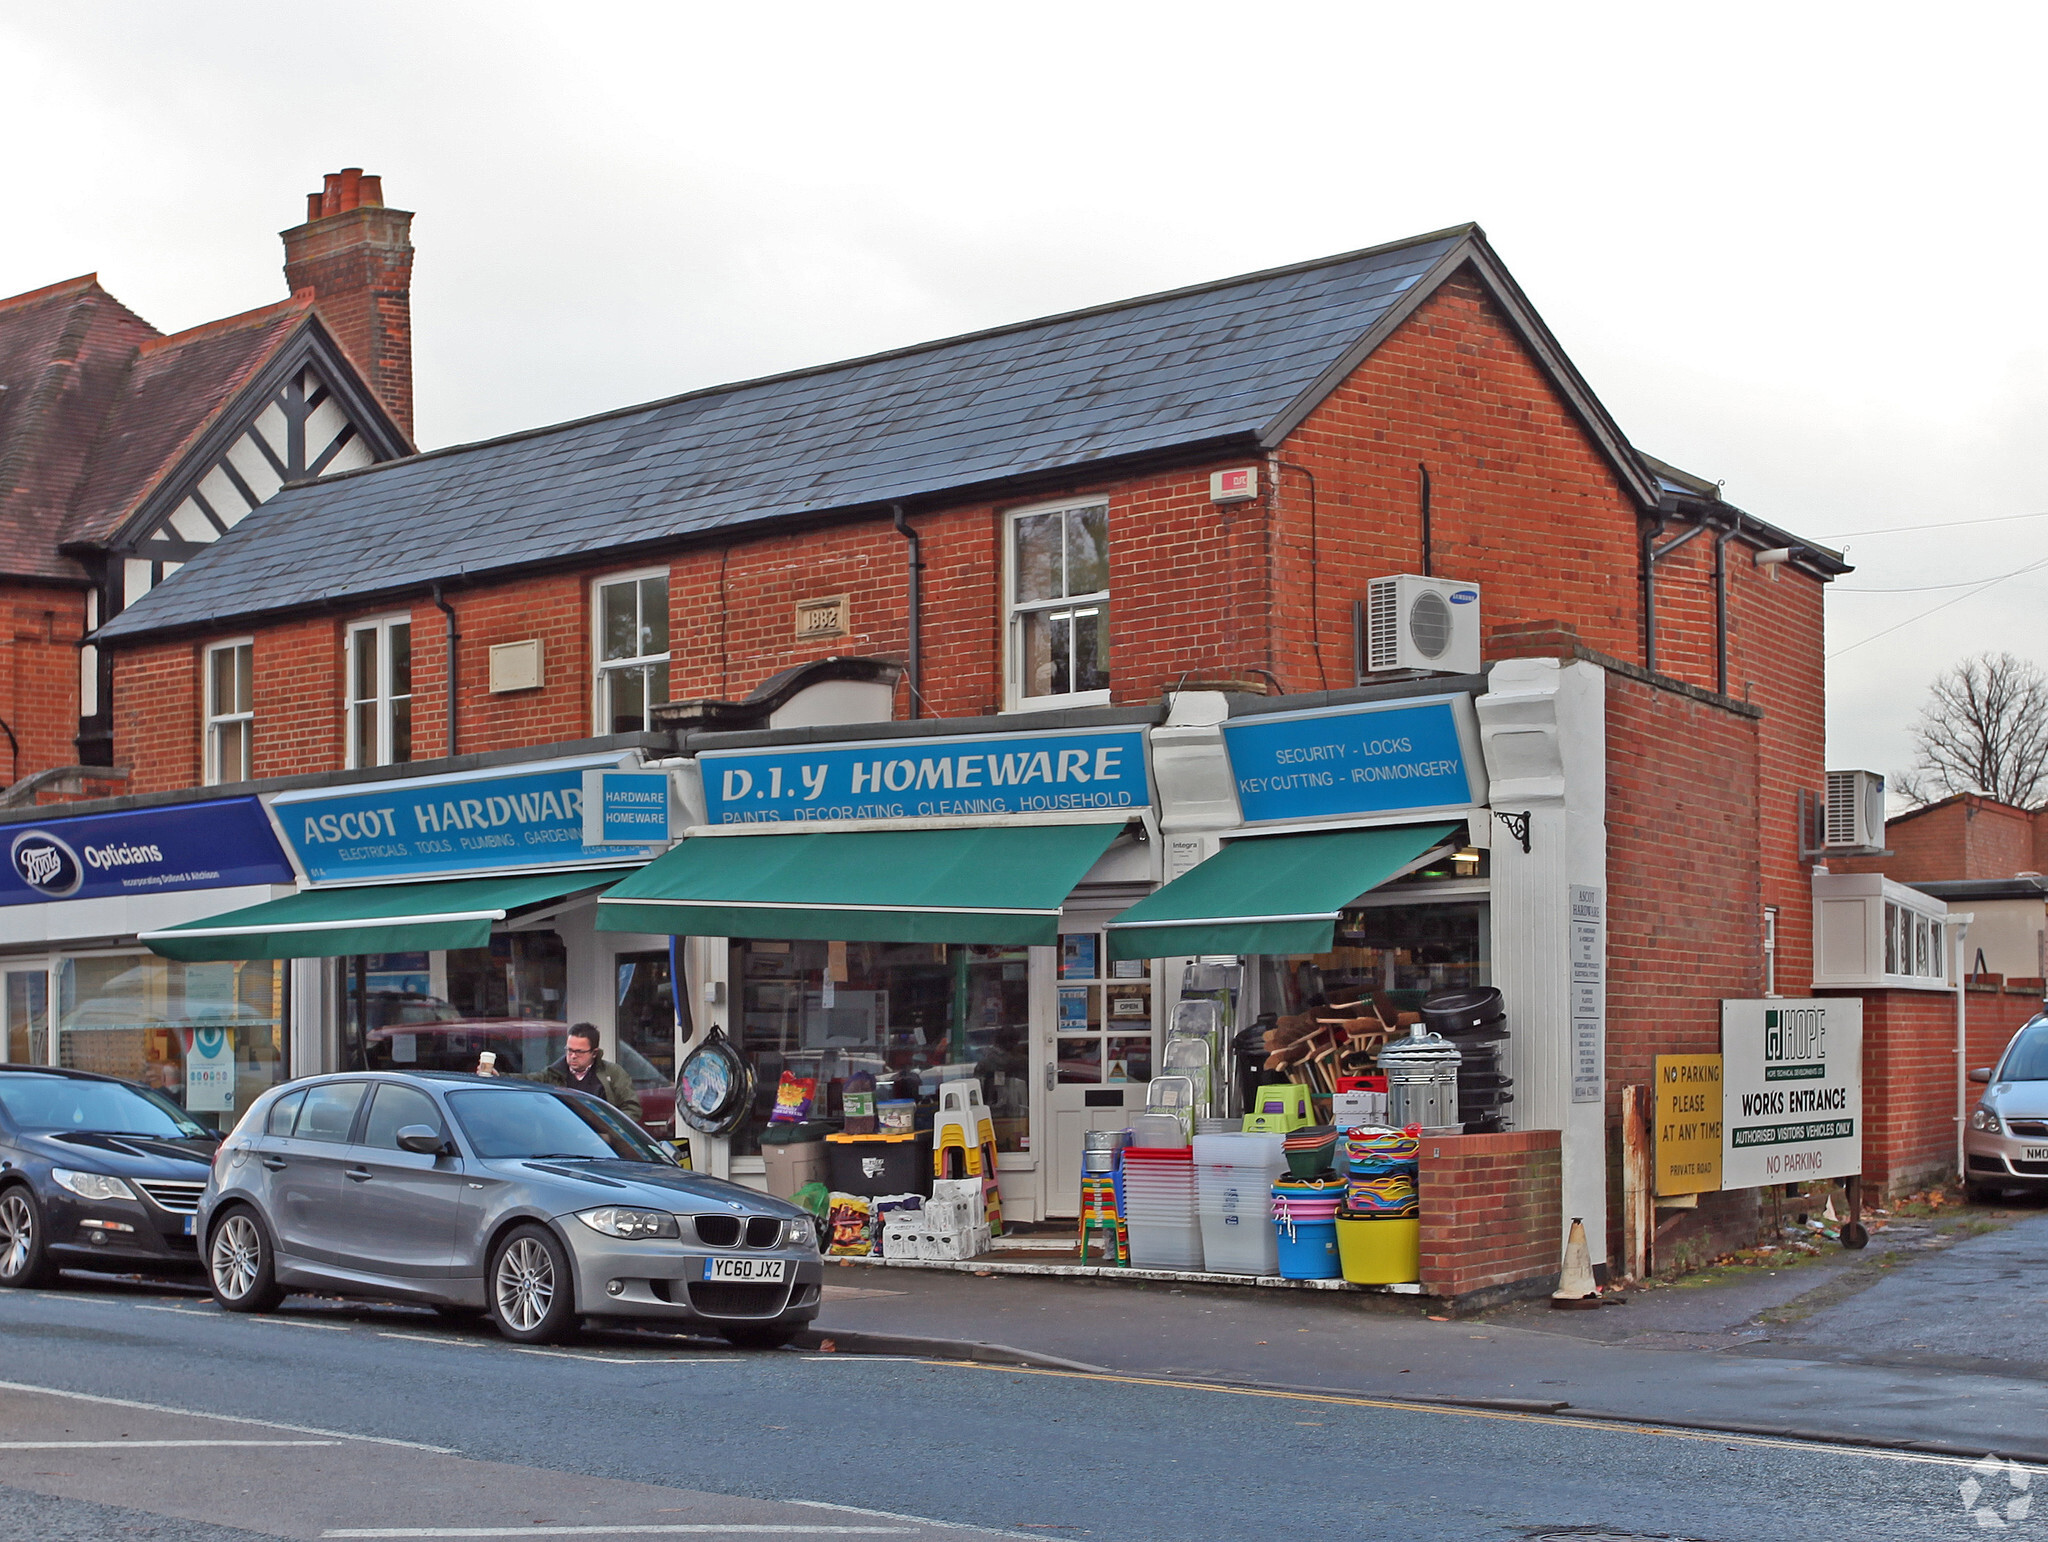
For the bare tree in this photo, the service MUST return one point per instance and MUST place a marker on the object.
(1984, 730)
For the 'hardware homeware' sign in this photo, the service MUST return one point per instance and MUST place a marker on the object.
(1791, 1090)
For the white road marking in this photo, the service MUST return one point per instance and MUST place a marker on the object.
(852, 1357)
(432, 1338)
(895, 1515)
(200, 1413)
(623, 1359)
(677, 1529)
(132, 1445)
(302, 1322)
(182, 1311)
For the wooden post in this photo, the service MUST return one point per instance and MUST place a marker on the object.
(1638, 1183)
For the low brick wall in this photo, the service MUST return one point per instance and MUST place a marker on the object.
(1492, 1215)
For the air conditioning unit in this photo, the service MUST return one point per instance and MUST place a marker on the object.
(1855, 812)
(1413, 622)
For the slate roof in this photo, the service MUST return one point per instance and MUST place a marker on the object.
(97, 406)
(1218, 363)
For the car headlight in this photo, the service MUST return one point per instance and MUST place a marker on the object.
(92, 1185)
(1981, 1118)
(800, 1234)
(616, 1221)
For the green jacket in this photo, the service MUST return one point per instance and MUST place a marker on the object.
(613, 1084)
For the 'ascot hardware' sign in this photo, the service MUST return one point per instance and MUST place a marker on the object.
(470, 822)
(1059, 771)
(222, 844)
(1791, 1090)
(1416, 755)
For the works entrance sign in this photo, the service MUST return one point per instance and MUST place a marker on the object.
(1791, 1090)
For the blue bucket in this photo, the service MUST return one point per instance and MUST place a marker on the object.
(1308, 1250)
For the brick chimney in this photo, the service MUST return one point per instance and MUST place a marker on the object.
(355, 255)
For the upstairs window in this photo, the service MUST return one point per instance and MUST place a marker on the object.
(230, 712)
(379, 702)
(632, 650)
(1059, 606)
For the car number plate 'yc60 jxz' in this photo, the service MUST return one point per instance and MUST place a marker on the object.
(749, 1271)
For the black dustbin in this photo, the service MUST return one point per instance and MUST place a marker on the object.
(1248, 1048)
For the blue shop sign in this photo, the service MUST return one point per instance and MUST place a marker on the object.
(439, 826)
(625, 808)
(222, 844)
(1417, 755)
(1062, 771)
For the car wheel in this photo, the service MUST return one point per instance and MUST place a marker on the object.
(533, 1293)
(24, 1261)
(759, 1335)
(241, 1266)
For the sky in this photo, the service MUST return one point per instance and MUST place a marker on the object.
(1779, 241)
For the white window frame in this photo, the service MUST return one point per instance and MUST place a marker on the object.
(216, 719)
(603, 668)
(382, 752)
(1013, 613)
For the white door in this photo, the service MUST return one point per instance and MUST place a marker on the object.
(1098, 1041)
(25, 1015)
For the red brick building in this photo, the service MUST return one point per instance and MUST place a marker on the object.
(1168, 512)
(124, 452)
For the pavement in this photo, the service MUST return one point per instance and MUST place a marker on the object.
(1933, 1339)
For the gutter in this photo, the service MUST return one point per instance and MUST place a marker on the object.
(454, 639)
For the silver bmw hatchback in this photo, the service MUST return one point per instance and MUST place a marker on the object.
(536, 1205)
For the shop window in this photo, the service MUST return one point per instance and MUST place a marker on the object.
(647, 1011)
(380, 692)
(1387, 958)
(230, 712)
(211, 1036)
(632, 651)
(1059, 605)
(1105, 1021)
(908, 1015)
(27, 1005)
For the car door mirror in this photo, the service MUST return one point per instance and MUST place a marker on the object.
(422, 1139)
(1981, 1074)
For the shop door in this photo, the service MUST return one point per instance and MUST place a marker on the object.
(1098, 1054)
(25, 1008)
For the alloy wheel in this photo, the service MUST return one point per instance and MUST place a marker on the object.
(17, 1233)
(525, 1285)
(237, 1254)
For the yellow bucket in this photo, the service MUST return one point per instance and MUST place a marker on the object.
(1380, 1252)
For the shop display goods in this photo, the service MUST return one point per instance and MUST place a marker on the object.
(1382, 1252)
(1310, 1150)
(1279, 1108)
(1159, 1208)
(1305, 1230)
(1233, 1174)
(1422, 1080)
(963, 1135)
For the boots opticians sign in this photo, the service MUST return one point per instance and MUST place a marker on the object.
(1057, 772)
(1791, 1091)
(218, 844)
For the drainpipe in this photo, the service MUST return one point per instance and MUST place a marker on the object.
(1650, 534)
(916, 587)
(1721, 538)
(1962, 929)
(454, 635)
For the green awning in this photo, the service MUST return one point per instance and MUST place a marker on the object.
(1001, 884)
(376, 918)
(1270, 893)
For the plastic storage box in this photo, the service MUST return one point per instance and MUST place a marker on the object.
(879, 1164)
(1233, 1184)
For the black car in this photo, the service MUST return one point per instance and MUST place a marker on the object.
(95, 1173)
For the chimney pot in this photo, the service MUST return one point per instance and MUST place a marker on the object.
(351, 187)
(372, 190)
(330, 196)
(312, 207)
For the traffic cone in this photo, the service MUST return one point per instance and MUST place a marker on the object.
(1575, 1288)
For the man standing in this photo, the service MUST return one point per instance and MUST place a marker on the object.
(585, 1069)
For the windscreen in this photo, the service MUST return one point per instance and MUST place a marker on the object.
(104, 1108)
(513, 1123)
(2027, 1060)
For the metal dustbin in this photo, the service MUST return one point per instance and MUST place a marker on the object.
(1102, 1150)
(1422, 1081)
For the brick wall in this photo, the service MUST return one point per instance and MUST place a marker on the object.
(1909, 1088)
(1998, 1009)
(1960, 837)
(39, 676)
(1492, 1215)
